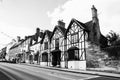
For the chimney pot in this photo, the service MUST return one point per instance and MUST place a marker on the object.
(61, 23)
(94, 14)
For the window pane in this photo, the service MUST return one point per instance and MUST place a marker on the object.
(46, 45)
(76, 54)
(57, 43)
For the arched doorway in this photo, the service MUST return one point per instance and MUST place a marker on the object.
(31, 59)
(56, 57)
(73, 53)
(44, 61)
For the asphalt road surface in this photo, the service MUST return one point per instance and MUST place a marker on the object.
(23, 72)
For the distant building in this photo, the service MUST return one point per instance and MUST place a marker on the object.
(9, 45)
(35, 46)
(25, 48)
(3, 53)
(13, 50)
(44, 55)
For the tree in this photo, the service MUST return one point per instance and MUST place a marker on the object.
(113, 38)
(114, 44)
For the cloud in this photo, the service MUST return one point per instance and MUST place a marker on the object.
(108, 13)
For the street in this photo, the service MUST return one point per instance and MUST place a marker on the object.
(24, 72)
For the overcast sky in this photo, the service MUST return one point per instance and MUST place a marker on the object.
(22, 17)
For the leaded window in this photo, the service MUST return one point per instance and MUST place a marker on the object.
(73, 55)
(57, 43)
(74, 38)
(44, 57)
(45, 45)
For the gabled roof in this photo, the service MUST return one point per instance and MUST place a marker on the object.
(36, 36)
(41, 34)
(48, 33)
(15, 45)
(61, 29)
(89, 25)
(103, 39)
(83, 26)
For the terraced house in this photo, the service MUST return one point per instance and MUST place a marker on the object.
(58, 44)
(67, 47)
(45, 49)
(70, 47)
(35, 46)
(25, 48)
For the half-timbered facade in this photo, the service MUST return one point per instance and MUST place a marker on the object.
(63, 47)
(57, 44)
(45, 49)
(75, 38)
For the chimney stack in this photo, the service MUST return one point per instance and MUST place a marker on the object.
(18, 38)
(94, 14)
(61, 23)
(37, 30)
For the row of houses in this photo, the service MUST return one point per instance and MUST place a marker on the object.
(62, 47)
(2, 54)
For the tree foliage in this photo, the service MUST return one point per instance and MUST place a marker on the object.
(113, 38)
(114, 44)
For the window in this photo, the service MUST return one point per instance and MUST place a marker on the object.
(44, 57)
(76, 52)
(74, 38)
(57, 43)
(45, 45)
(73, 55)
(36, 56)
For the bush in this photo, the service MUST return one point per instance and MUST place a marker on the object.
(92, 64)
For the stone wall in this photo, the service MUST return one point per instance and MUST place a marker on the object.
(94, 55)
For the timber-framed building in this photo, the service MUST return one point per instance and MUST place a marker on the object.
(68, 47)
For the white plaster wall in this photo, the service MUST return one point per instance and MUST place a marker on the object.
(49, 64)
(62, 64)
(43, 63)
(26, 61)
(77, 65)
(35, 62)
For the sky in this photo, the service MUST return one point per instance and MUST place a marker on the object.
(22, 17)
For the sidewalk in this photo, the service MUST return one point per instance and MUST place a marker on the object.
(88, 71)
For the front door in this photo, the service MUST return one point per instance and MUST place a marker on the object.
(56, 58)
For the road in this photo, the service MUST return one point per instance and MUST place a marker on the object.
(24, 72)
